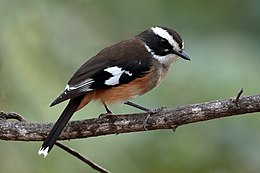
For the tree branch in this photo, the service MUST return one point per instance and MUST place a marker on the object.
(82, 158)
(115, 124)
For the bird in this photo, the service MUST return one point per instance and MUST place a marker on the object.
(119, 73)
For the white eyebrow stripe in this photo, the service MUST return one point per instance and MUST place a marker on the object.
(164, 34)
(116, 72)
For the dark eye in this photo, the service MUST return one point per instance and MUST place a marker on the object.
(164, 43)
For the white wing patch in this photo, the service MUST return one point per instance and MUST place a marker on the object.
(116, 72)
(164, 34)
(81, 86)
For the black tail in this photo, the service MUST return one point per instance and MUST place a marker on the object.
(59, 125)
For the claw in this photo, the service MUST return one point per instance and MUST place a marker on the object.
(159, 109)
(105, 115)
(146, 121)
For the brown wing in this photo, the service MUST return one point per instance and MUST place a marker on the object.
(130, 56)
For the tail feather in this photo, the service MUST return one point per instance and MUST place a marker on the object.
(59, 125)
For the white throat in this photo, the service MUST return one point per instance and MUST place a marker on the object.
(165, 60)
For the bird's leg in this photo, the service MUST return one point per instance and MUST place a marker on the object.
(144, 109)
(107, 109)
(137, 106)
(141, 108)
(105, 115)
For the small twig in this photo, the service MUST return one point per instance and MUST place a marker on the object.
(238, 96)
(12, 115)
(82, 158)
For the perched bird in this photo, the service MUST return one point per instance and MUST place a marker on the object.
(119, 73)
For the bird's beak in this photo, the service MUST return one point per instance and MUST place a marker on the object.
(183, 55)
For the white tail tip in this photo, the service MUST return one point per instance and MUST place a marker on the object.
(43, 151)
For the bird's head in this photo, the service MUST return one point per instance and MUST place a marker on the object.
(165, 44)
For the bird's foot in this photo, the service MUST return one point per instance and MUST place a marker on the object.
(149, 115)
(158, 109)
(105, 115)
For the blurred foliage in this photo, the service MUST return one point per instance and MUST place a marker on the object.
(43, 42)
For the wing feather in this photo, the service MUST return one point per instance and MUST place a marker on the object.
(129, 55)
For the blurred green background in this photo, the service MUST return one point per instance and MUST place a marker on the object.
(42, 43)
